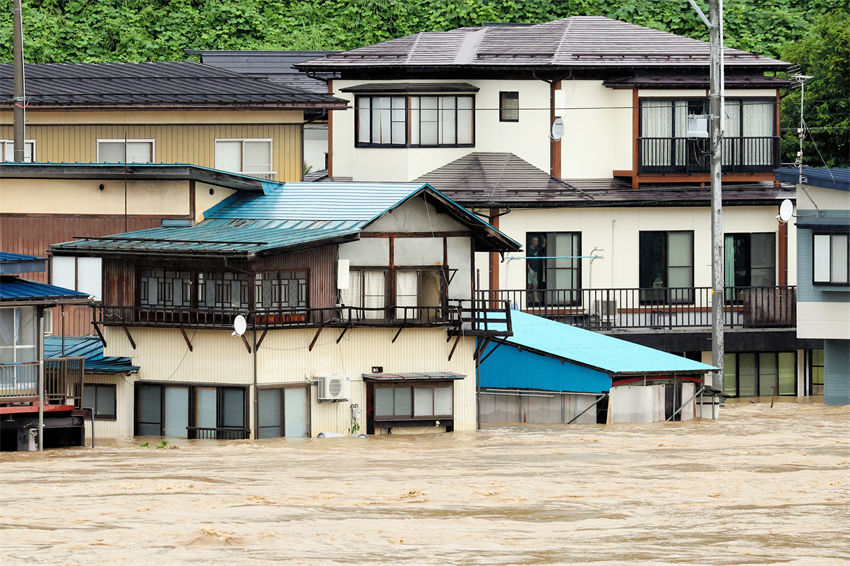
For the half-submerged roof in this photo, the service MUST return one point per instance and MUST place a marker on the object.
(289, 216)
(576, 42)
(594, 350)
(163, 84)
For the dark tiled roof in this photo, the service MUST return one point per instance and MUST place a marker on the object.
(276, 66)
(412, 87)
(159, 84)
(505, 180)
(492, 178)
(576, 42)
(678, 80)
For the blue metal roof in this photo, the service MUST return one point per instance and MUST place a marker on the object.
(16, 289)
(90, 348)
(595, 350)
(10, 257)
(837, 178)
(287, 214)
(11, 263)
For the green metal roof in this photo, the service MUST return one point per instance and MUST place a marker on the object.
(286, 215)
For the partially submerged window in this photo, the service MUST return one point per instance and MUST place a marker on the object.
(187, 411)
(125, 151)
(509, 106)
(100, 397)
(753, 374)
(283, 412)
(413, 402)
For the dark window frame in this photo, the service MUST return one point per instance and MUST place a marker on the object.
(647, 295)
(302, 279)
(192, 402)
(408, 121)
(810, 355)
(758, 376)
(97, 414)
(281, 390)
(831, 282)
(396, 417)
(573, 297)
(506, 95)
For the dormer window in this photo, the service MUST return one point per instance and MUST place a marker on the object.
(404, 115)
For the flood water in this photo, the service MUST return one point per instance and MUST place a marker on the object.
(759, 486)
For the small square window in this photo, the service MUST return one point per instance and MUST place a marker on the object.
(509, 107)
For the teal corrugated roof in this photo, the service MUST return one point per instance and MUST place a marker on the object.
(287, 214)
(593, 349)
(90, 348)
(17, 289)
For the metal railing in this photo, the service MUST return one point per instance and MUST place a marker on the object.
(218, 433)
(63, 381)
(462, 314)
(654, 308)
(688, 155)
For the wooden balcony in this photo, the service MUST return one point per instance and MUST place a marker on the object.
(63, 382)
(656, 308)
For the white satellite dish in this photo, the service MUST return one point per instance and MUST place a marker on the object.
(557, 129)
(240, 325)
(786, 210)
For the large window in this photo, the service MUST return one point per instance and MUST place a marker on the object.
(213, 290)
(414, 121)
(283, 412)
(185, 411)
(164, 288)
(749, 141)
(7, 150)
(760, 374)
(281, 290)
(78, 273)
(556, 278)
(831, 257)
(417, 402)
(100, 397)
(367, 293)
(750, 260)
(247, 156)
(125, 151)
(666, 267)
(18, 334)
(419, 294)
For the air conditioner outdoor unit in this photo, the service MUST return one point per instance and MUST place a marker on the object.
(334, 388)
(605, 308)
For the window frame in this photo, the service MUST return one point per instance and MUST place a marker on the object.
(4, 143)
(192, 389)
(271, 172)
(18, 343)
(151, 141)
(76, 286)
(409, 122)
(758, 374)
(831, 282)
(303, 282)
(397, 417)
(665, 260)
(95, 413)
(503, 96)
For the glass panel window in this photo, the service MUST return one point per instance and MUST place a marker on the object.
(281, 290)
(384, 405)
(125, 151)
(559, 270)
(509, 107)
(666, 267)
(768, 373)
(295, 411)
(271, 413)
(248, 156)
(730, 375)
(423, 401)
(831, 258)
(233, 407)
(413, 402)
(18, 334)
(366, 293)
(816, 369)
(749, 260)
(176, 411)
(7, 150)
(747, 375)
(787, 369)
(384, 120)
(78, 273)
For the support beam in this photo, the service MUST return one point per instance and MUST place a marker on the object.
(397, 333)
(129, 336)
(247, 345)
(452, 353)
(99, 334)
(341, 334)
(186, 338)
(480, 348)
(487, 355)
(316, 337)
(262, 337)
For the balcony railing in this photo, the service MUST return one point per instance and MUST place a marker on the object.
(63, 382)
(218, 433)
(655, 308)
(461, 314)
(687, 155)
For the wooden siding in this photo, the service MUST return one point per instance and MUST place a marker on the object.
(183, 143)
(321, 262)
(119, 282)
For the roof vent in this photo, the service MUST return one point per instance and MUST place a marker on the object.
(176, 222)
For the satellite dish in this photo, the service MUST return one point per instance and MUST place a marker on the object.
(557, 129)
(240, 325)
(786, 210)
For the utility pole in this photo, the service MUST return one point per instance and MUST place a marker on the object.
(714, 21)
(19, 100)
(715, 8)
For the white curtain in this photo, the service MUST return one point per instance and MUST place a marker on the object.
(406, 293)
(656, 121)
(374, 283)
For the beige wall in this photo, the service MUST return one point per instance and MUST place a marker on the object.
(122, 426)
(219, 358)
(174, 142)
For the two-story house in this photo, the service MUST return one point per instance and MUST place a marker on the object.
(115, 147)
(585, 139)
(310, 308)
(823, 252)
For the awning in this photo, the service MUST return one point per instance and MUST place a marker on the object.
(411, 87)
(429, 376)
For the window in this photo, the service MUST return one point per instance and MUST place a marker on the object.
(283, 412)
(247, 156)
(749, 260)
(752, 374)
(418, 402)
(184, 411)
(509, 107)
(666, 267)
(414, 121)
(419, 294)
(7, 150)
(281, 290)
(749, 142)
(816, 371)
(100, 397)
(78, 273)
(227, 290)
(830, 259)
(367, 293)
(560, 275)
(18, 326)
(125, 151)
(164, 288)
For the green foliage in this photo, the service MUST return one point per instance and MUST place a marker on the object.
(806, 32)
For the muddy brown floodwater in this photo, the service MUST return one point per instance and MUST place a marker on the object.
(759, 486)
